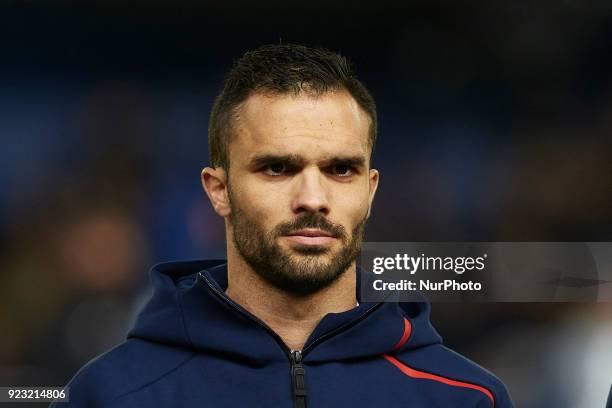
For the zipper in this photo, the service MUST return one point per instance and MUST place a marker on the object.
(298, 380)
(295, 357)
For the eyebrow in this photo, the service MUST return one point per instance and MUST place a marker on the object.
(296, 160)
(353, 161)
(262, 160)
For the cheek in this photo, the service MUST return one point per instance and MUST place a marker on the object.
(352, 206)
(260, 204)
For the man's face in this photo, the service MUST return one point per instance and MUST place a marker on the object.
(300, 187)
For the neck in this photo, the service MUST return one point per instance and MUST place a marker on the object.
(292, 317)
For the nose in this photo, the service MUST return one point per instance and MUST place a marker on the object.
(310, 194)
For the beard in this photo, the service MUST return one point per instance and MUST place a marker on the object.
(311, 268)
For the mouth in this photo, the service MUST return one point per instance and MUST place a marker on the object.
(311, 237)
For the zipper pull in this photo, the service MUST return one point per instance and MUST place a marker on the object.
(297, 379)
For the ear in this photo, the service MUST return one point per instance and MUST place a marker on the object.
(214, 181)
(373, 180)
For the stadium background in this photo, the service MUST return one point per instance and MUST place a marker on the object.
(495, 125)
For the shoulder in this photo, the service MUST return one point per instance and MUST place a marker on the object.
(438, 362)
(128, 367)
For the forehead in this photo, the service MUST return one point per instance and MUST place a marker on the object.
(314, 127)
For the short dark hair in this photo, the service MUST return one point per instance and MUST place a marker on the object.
(281, 69)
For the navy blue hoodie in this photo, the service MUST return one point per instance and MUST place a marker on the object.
(192, 346)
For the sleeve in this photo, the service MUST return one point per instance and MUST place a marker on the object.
(502, 397)
(81, 391)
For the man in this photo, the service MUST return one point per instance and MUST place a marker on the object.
(280, 324)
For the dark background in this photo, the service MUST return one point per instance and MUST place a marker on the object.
(495, 125)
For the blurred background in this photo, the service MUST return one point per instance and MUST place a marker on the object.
(495, 125)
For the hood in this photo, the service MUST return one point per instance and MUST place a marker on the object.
(189, 309)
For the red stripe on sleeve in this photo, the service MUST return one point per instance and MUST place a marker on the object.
(411, 372)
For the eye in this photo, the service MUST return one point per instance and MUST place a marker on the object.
(342, 170)
(275, 169)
